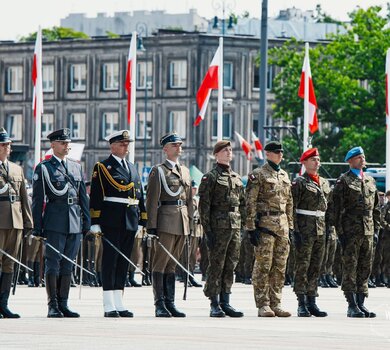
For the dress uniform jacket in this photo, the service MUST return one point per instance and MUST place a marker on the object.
(64, 211)
(110, 179)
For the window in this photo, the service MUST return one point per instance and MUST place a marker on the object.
(226, 126)
(110, 123)
(140, 125)
(48, 78)
(256, 77)
(14, 126)
(228, 75)
(77, 126)
(178, 74)
(178, 122)
(110, 76)
(47, 124)
(144, 75)
(15, 79)
(78, 77)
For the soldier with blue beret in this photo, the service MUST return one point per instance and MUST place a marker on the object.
(61, 215)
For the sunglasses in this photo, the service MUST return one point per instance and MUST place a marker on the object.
(277, 151)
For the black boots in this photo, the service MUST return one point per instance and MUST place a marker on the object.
(353, 310)
(169, 292)
(31, 282)
(5, 287)
(158, 291)
(302, 308)
(230, 311)
(331, 282)
(313, 308)
(146, 278)
(132, 281)
(63, 294)
(51, 290)
(215, 309)
(193, 282)
(323, 283)
(360, 302)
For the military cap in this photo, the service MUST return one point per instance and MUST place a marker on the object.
(117, 136)
(273, 146)
(353, 152)
(172, 137)
(60, 135)
(311, 152)
(4, 137)
(220, 145)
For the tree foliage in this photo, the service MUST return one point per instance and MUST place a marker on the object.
(349, 80)
(56, 33)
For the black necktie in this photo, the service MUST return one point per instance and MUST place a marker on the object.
(63, 164)
(124, 165)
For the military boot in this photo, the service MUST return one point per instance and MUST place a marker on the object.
(51, 290)
(132, 281)
(31, 274)
(193, 282)
(353, 310)
(169, 293)
(360, 302)
(215, 308)
(323, 282)
(146, 278)
(158, 291)
(63, 294)
(5, 287)
(37, 274)
(379, 281)
(224, 302)
(331, 282)
(313, 308)
(302, 308)
(371, 283)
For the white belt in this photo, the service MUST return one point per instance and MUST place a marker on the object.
(317, 213)
(128, 201)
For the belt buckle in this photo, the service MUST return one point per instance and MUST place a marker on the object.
(180, 202)
(12, 198)
(70, 200)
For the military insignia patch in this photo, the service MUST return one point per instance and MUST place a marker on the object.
(66, 132)
(125, 134)
(36, 177)
(109, 167)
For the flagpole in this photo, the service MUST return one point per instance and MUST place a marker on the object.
(306, 101)
(220, 93)
(387, 120)
(133, 90)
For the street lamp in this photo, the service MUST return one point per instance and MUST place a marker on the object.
(224, 5)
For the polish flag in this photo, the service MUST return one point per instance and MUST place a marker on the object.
(387, 121)
(130, 74)
(245, 145)
(257, 146)
(313, 120)
(210, 82)
(37, 103)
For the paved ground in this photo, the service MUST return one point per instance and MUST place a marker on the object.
(197, 330)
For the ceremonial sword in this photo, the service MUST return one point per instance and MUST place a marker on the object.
(15, 260)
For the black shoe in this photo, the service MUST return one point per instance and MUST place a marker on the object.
(194, 282)
(125, 313)
(331, 282)
(63, 307)
(113, 314)
(302, 308)
(173, 311)
(313, 308)
(215, 309)
(360, 303)
(132, 281)
(161, 310)
(54, 311)
(323, 282)
(227, 308)
(353, 310)
(247, 280)
(371, 284)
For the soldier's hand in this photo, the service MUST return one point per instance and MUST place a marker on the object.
(36, 233)
(152, 233)
(96, 229)
(210, 240)
(254, 237)
(297, 238)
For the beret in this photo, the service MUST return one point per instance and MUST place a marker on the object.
(353, 152)
(311, 152)
(273, 146)
(221, 145)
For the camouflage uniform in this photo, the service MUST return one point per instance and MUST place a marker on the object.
(385, 242)
(269, 207)
(310, 204)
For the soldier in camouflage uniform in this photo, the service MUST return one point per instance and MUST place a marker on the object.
(310, 193)
(385, 243)
(222, 209)
(269, 220)
(357, 220)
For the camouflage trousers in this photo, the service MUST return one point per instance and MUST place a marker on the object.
(308, 262)
(269, 269)
(329, 256)
(381, 262)
(357, 261)
(223, 259)
(245, 264)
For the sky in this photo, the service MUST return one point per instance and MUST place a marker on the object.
(21, 17)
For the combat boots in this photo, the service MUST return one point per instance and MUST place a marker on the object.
(360, 302)
(5, 287)
(353, 310)
(331, 282)
(132, 281)
(37, 274)
(158, 291)
(31, 282)
(193, 282)
(215, 308)
(51, 290)
(313, 308)
(302, 308)
(224, 303)
(323, 282)
(169, 293)
(63, 295)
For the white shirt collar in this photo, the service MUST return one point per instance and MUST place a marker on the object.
(172, 163)
(59, 159)
(119, 160)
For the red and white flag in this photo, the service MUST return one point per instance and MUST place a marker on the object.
(387, 120)
(257, 146)
(37, 103)
(245, 145)
(130, 74)
(210, 82)
(313, 120)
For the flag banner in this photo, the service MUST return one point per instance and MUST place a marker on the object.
(130, 74)
(245, 145)
(258, 147)
(36, 76)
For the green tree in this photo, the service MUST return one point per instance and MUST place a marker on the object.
(56, 33)
(349, 81)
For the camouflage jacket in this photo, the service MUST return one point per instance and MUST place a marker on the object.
(385, 218)
(221, 200)
(356, 205)
(269, 200)
(310, 196)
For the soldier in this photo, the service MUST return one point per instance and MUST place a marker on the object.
(269, 222)
(385, 244)
(222, 211)
(170, 211)
(357, 221)
(117, 208)
(59, 193)
(15, 217)
(310, 196)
